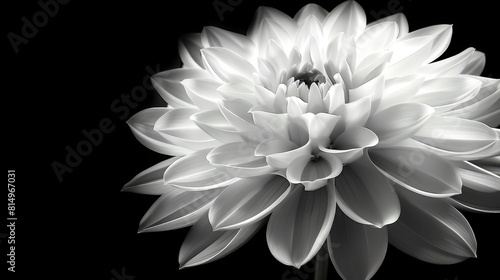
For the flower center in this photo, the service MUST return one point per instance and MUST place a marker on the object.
(315, 158)
(310, 77)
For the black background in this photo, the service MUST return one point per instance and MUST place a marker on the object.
(66, 78)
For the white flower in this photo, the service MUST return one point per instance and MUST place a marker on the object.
(321, 110)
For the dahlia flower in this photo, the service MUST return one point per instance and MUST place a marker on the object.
(328, 129)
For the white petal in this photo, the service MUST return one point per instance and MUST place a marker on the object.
(310, 10)
(373, 89)
(477, 178)
(299, 226)
(194, 172)
(378, 37)
(227, 65)
(281, 19)
(431, 230)
(274, 145)
(313, 174)
(310, 30)
(177, 208)
(484, 103)
(237, 90)
(282, 160)
(456, 135)
(444, 93)
(203, 92)
(476, 201)
(239, 160)
(334, 98)
(418, 170)
(203, 245)
(442, 37)
(189, 50)
(216, 37)
(168, 85)
(448, 67)
(150, 181)
(263, 95)
(273, 124)
(177, 127)
(268, 30)
(408, 55)
(276, 57)
(372, 66)
(356, 250)
(237, 114)
(491, 164)
(349, 145)
(247, 201)
(348, 17)
(475, 64)
(320, 127)
(215, 125)
(399, 122)
(356, 113)
(399, 18)
(340, 49)
(400, 90)
(365, 195)
(142, 125)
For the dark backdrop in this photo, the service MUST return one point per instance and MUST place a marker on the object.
(72, 74)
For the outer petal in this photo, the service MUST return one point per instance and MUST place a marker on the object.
(444, 93)
(150, 181)
(348, 17)
(215, 124)
(448, 67)
(203, 92)
(269, 29)
(279, 18)
(399, 18)
(349, 145)
(378, 37)
(365, 195)
(456, 135)
(408, 55)
(475, 64)
(418, 170)
(142, 125)
(216, 37)
(476, 201)
(239, 160)
(478, 178)
(189, 50)
(226, 65)
(177, 127)
(400, 90)
(310, 10)
(399, 122)
(193, 172)
(202, 245)
(313, 174)
(356, 250)
(168, 85)
(177, 208)
(247, 201)
(442, 38)
(432, 230)
(300, 225)
(480, 190)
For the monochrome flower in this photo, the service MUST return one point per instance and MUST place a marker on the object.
(304, 114)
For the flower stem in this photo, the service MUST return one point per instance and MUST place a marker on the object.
(322, 262)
